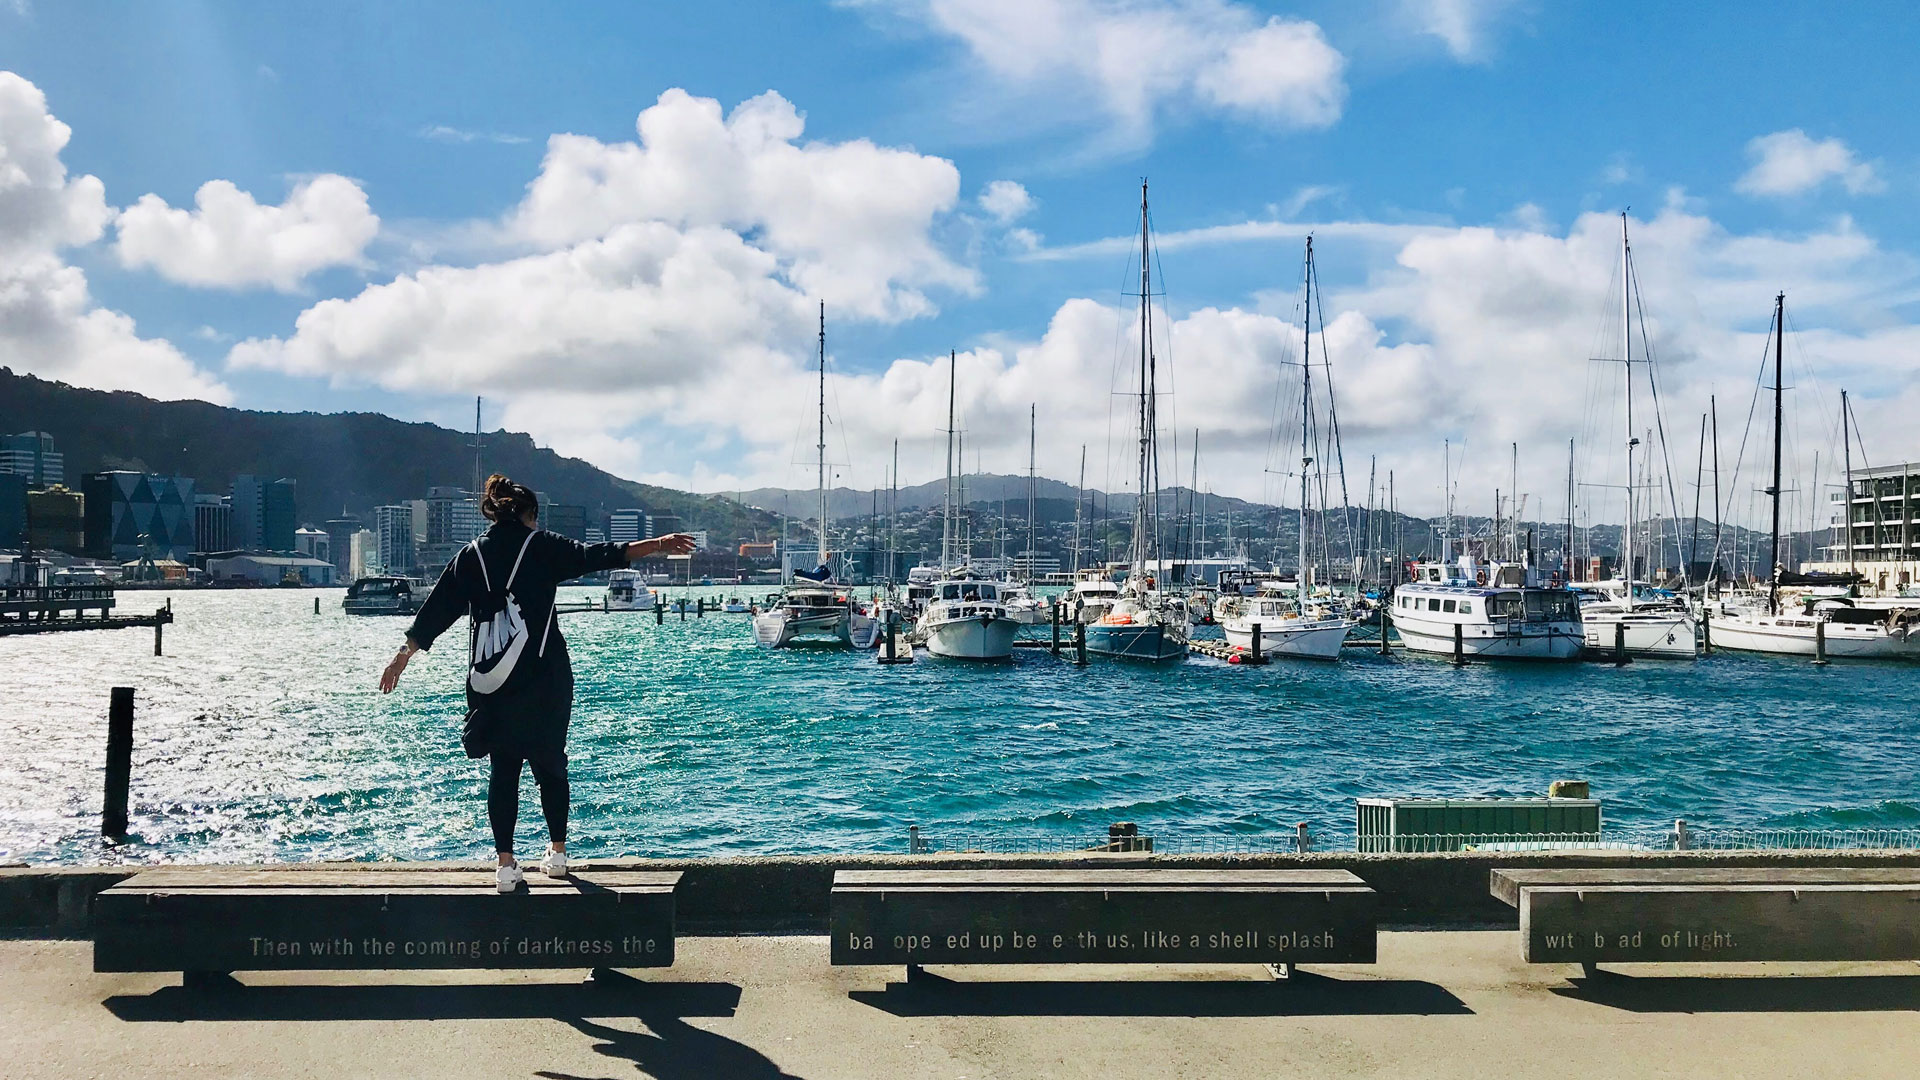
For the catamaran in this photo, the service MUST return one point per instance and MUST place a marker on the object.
(1146, 623)
(1280, 628)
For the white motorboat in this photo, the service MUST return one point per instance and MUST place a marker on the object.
(1286, 627)
(1022, 606)
(967, 619)
(381, 596)
(1094, 594)
(735, 606)
(810, 613)
(627, 591)
(1498, 612)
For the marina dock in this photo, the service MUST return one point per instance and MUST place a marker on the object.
(46, 609)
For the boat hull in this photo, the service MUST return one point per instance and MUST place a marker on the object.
(777, 629)
(1661, 635)
(1315, 639)
(1544, 641)
(1135, 641)
(1786, 637)
(973, 638)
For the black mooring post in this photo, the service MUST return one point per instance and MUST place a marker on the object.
(1080, 643)
(1255, 655)
(1056, 628)
(1459, 644)
(113, 814)
(659, 612)
(1619, 643)
(1706, 630)
(1820, 642)
(1383, 630)
(316, 604)
(892, 648)
(158, 624)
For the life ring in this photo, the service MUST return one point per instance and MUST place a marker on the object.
(1480, 577)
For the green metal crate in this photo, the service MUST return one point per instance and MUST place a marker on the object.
(1454, 824)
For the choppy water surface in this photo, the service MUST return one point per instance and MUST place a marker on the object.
(259, 736)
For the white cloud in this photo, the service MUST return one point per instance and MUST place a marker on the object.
(49, 324)
(1790, 163)
(1006, 201)
(1463, 26)
(444, 133)
(230, 241)
(849, 222)
(1133, 59)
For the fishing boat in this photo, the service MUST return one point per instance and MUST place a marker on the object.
(1145, 623)
(1822, 625)
(815, 611)
(627, 591)
(381, 596)
(1488, 611)
(1628, 622)
(964, 617)
(1298, 629)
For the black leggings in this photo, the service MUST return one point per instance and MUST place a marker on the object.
(503, 794)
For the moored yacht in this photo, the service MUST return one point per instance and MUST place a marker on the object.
(627, 591)
(381, 596)
(810, 613)
(1499, 612)
(967, 619)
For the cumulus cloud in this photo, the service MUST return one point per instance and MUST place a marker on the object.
(1133, 59)
(1464, 26)
(1006, 201)
(850, 222)
(49, 323)
(230, 241)
(1792, 163)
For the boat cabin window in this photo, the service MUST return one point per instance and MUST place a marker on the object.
(949, 592)
(1446, 605)
(987, 592)
(1506, 605)
(1466, 607)
(1433, 604)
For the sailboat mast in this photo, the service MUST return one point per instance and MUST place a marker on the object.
(1713, 561)
(946, 510)
(822, 447)
(1033, 430)
(1570, 553)
(1306, 390)
(1146, 394)
(1626, 360)
(893, 516)
(1846, 478)
(1779, 392)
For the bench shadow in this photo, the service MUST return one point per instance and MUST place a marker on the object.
(621, 995)
(1747, 993)
(1305, 994)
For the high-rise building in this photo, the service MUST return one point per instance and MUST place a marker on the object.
(313, 543)
(340, 543)
(13, 510)
(56, 520)
(393, 533)
(662, 524)
(247, 502)
(453, 520)
(565, 520)
(129, 515)
(213, 522)
(626, 526)
(279, 514)
(31, 454)
(363, 553)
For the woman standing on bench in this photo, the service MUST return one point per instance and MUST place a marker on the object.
(520, 679)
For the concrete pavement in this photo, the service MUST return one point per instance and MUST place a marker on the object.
(1439, 1004)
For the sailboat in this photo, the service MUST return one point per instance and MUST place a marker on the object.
(1145, 623)
(1849, 632)
(1283, 628)
(1022, 605)
(816, 610)
(1623, 620)
(965, 618)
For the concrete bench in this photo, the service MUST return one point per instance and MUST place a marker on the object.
(1713, 914)
(1102, 916)
(209, 922)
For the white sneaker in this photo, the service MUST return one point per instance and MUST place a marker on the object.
(508, 878)
(555, 864)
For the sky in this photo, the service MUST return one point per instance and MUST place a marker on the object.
(618, 223)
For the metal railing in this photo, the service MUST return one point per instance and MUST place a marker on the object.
(1681, 837)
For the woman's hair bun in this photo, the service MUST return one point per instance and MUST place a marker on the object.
(505, 500)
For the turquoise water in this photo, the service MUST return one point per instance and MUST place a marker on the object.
(259, 736)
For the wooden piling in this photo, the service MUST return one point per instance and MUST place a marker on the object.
(1383, 628)
(1080, 643)
(1619, 643)
(316, 604)
(1706, 630)
(159, 624)
(1055, 648)
(1459, 644)
(1820, 643)
(659, 612)
(113, 814)
(1255, 654)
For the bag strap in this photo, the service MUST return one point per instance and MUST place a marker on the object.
(515, 572)
(482, 560)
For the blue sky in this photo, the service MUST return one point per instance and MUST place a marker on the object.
(1455, 159)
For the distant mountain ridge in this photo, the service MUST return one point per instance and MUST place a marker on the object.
(340, 461)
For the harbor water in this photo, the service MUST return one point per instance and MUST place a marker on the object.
(260, 736)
